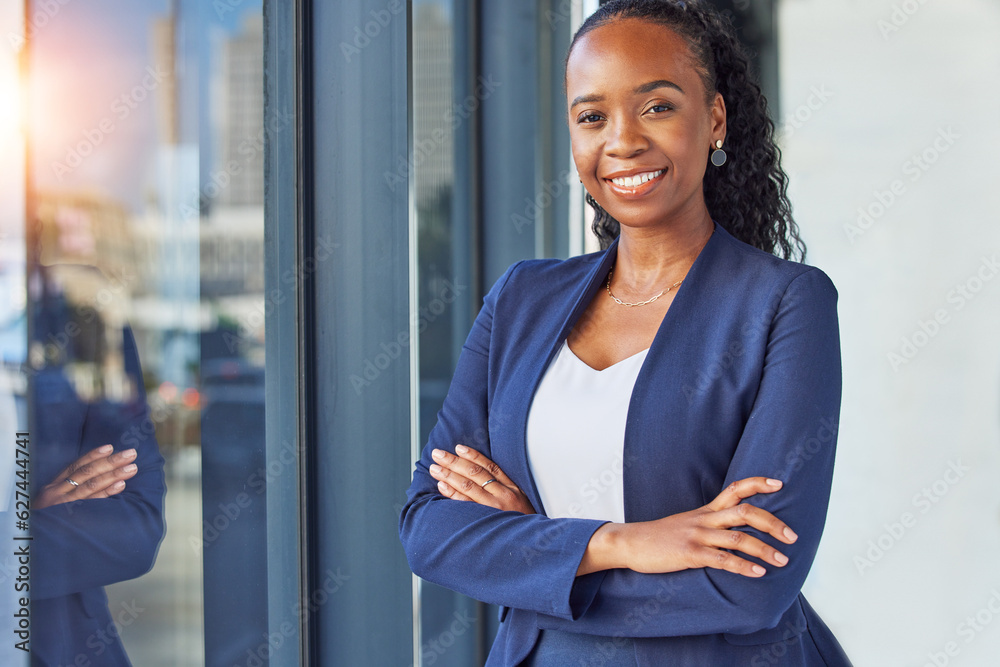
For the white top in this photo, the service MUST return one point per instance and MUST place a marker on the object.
(576, 436)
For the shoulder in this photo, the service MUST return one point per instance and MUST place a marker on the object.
(558, 269)
(546, 275)
(760, 271)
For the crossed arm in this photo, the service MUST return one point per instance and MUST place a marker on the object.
(679, 542)
(100, 473)
(586, 575)
(107, 527)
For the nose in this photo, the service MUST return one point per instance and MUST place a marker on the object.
(625, 139)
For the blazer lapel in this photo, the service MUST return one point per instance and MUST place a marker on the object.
(562, 324)
(657, 408)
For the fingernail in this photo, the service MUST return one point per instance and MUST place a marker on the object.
(781, 558)
(461, 449)
(105, 449)
(790, 534)
(437, 454)
(128, 454)
(130, 468)
(774, 482)
(758, 569)
(442, 487)
(118, 486)
(435, 469)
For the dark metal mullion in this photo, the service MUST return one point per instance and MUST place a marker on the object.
(290, 393)
(472, 34)
(467, 218)
(306, 244)
(545, 240)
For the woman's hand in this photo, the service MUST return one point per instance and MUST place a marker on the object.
(468, 477)
(694, 539)
(97, 474)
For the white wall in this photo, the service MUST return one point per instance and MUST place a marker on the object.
(890, 94)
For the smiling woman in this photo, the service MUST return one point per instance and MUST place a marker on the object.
(694, 546)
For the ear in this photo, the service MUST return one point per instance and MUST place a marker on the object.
(718, 119)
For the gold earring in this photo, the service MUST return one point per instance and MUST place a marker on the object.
(718, 155)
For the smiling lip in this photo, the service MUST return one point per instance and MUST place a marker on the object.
(634, 182)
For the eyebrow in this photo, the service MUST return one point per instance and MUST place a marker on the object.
(644, 88)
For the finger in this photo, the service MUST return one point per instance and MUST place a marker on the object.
(449, 492)
(87, 476)
(465, 468)
(89, 457)
(107, 484)
(492, 469)
(111, 490)
(100, 466)
(736, 540)
(723, 560)
(450, 489)
(740, 490)
(746, 514)
(462, 484)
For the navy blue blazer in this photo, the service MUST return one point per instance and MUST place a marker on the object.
(743, 378)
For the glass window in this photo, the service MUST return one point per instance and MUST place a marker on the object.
(141, 325)
(449, 622)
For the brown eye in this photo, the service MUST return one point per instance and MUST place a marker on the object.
(589, 118)
(660, 108)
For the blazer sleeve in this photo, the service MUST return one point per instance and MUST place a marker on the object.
(791, 435)
(96, 542)
(478, 550)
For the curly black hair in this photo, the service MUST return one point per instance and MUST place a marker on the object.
(747, 195)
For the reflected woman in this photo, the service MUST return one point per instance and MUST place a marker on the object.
(97, 511)
(635, 455)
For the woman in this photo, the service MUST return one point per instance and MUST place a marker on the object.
(631, 435)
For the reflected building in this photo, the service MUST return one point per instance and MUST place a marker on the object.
(432, 100)
(167, 311)
(241, 111)
(232, 202)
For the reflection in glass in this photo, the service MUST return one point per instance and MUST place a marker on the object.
(144, 327)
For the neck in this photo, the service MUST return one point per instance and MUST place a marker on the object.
(650, 258)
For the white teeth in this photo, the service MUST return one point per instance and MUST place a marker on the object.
(638, 179)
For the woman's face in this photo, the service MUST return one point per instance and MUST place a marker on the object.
(637, 113)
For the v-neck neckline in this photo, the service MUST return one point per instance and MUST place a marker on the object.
(589, 286)
(606, 368)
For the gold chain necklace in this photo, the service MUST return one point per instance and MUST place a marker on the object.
(641, 303)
